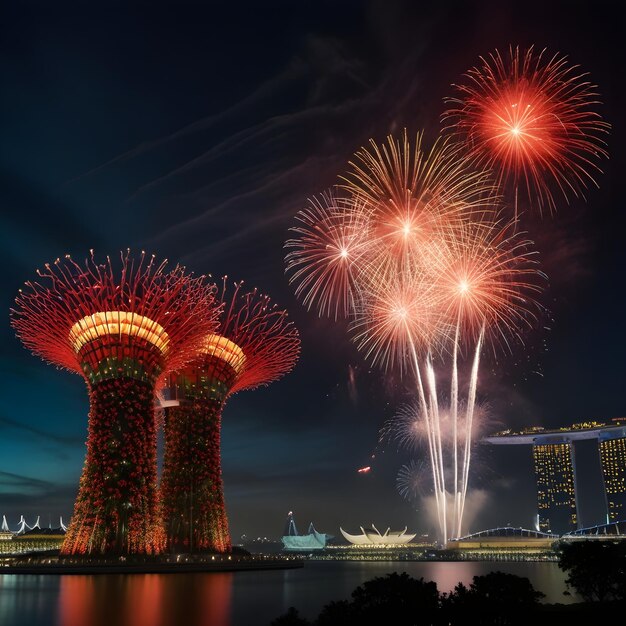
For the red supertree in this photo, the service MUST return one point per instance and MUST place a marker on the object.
(254, 345)
(531, 118)
(121, 331)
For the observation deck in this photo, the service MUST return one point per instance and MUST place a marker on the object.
(537, 435)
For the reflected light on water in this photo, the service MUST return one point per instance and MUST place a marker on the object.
(145, 600)
(75, 600)
(229, 599)
(217, 599)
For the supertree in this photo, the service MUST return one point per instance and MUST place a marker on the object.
(532, 118)
(120, 330)
(254, 344)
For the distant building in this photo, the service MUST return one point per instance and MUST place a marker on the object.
(372, 536)
(612, 445)
(506, 538)
(555, 469)
(295, 542)
(24, 530)
(556, 494)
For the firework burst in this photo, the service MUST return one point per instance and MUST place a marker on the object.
(488, 281)
(325, 253)
(415, 196)
(434, 271)
(531, 118)
(395, 319)
(412, 480)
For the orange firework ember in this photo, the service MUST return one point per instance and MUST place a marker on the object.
(531, 118)
(415, 196)
(488, 279)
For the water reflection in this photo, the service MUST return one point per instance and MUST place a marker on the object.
(449, 575)
(145, 600)
(227, 599)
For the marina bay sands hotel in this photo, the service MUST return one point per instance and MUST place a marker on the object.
(555, 469)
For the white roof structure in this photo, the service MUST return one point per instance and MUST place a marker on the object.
(372, 536)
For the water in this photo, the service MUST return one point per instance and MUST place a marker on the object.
(227, 599)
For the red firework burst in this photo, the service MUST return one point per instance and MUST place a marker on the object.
(324, 256)
(396, 319)
(532, 119)
(412, 195)
(488, 280)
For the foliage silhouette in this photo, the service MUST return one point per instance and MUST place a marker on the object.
(496, 598)
(596, 569)
(290, 618)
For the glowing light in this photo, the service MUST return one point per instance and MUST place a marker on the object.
(325, 252)
(254, 344)
(533, 119)
(226, 350)
(118, 323)
(364, 470)
(437, 272)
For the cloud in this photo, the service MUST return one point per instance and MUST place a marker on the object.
(7, 423)
(25, 495)
(21, 482)
(264, 90)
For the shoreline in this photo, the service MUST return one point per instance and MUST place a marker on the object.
(149, 568)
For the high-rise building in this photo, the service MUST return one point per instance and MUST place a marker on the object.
(555, 469)
(556, 493)
(612, 445)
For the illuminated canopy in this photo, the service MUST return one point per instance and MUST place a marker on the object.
(107, 323)
(226, 350)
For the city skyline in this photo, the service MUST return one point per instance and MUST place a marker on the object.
(208, 161)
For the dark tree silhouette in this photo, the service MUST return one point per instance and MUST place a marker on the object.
(333, 613)
(290, 618)
(496, 598)
(396, 598)
(596, 569)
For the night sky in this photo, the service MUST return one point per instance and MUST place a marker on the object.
(196, 133)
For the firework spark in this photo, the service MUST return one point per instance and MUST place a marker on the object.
(415, 197)
(436, 271)
(531, 118)
(489, 279)
(394, 318)
(330, 233)
(412, 480)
